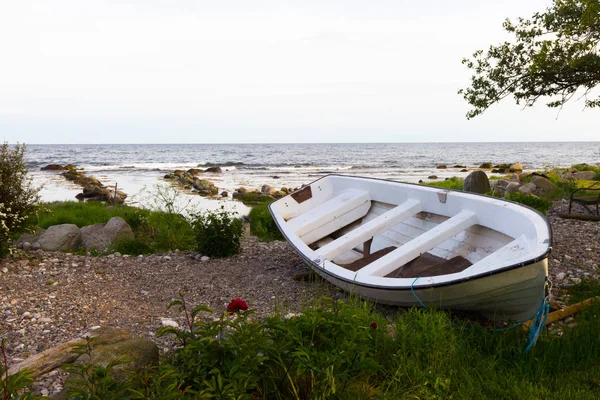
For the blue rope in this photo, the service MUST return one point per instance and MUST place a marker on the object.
(541, 315)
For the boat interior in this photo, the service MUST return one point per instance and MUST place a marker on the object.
(416, 237)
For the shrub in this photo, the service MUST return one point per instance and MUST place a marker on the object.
(18, 196)
(538, 203)
(263, 225)
(218, 233)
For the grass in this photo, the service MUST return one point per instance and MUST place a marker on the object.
(255, 198)
(584, 290)
(262, 224)
(454, 183)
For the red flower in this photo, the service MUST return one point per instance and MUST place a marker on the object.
(373, 325)
(237, 305)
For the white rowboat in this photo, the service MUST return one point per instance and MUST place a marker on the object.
(402, 244)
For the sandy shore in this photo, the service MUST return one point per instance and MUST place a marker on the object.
(49, 298)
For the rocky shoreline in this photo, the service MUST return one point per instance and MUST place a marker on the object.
(48, 298)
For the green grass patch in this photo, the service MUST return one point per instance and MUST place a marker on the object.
(584, 290)
(454, 183)
(542, 205)
(87, 213)
(586, 167)
(255, 198)
(263, 225)
(340, 349)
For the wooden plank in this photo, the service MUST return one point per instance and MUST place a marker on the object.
(329, 210)
(370, 229)
(420, 245)
(502, 256)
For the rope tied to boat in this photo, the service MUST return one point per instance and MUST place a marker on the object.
(539, 317)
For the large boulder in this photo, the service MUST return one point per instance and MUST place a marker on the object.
(101, 236)
(486, 165)
(477, 182)
(511, 188)
(587, 175)
(528, 188)
(53, 167)
(542, 183)
(142, 353)
(63, 237)
(205, 187)
(516, 167)
(214, 170)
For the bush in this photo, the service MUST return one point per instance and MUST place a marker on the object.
(18, 196)
(218, 233)
(538, 203)
(263, 225)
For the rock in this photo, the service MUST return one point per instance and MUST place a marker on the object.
(193, 171)
(53, 167)
(224, 194)
(459, 166)
(503, 183)
(169, 322)
(514, 178)
(204, 258)
(560, 276)
(477, 182)
(543, 183)
(527, 188)
(215, 170)
(198, 257)
(432, 177)
(576, 280)
(102, 236)
(464, 170)
(442, 166)
(28, 237)
(512, 187)
(275, 177)
(63, 237)
(516, 167)
(94, 191)
(268, 189)
(142, 353)
(26, 246)
(587, 175)
(486, 165)
(205, 187)
(36, 246)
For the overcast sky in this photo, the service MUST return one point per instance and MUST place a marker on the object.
(177, 71)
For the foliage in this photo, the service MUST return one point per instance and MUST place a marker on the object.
(554, 54)
(89, 381)
(88, 213)
(454, 183)
(14, 386)
(542, 205)
(263, 225)
(586, 167)
(584, 290)
(218, 233)
(18, 196)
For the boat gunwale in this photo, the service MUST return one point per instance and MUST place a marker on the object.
(481, 275)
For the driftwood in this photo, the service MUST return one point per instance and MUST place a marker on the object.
(584, 217)
(50, 359)
(565, 312)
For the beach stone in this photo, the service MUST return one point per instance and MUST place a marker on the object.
(142, 352)
(205, 187)
(477, 182)
(512, 187)
(545, 184)
(62, 237)
(516, 167)
(26, 246)
(514, 178)
(432, 177)
(527, 188)
(560, 276)
(36, 246)
(101, 236)
(53, 167)
(486, 165)
(464, 170)
(28, 237)
(442, 166)
(193, 171)
(215, 170)
(204, 258)
(224, 194)
(587, 175)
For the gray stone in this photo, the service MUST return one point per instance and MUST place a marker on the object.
(560, 276)
(204, 258)
(516, 167)
(268, 189)
(63, 237)
(477, 182)
(514, 178)
(543, 183)
(512, 187)
(588, 175)
(102, 236)
(36, 246)
(26, 246)
(527, 188)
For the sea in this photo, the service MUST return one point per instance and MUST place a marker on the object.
(137, 169)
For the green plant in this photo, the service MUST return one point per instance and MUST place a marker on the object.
(255, 198)
(263, 225)
(94, 382)
(132, 246)
(15, 386)
(218, 233)
(18, 196)
(542, 205)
